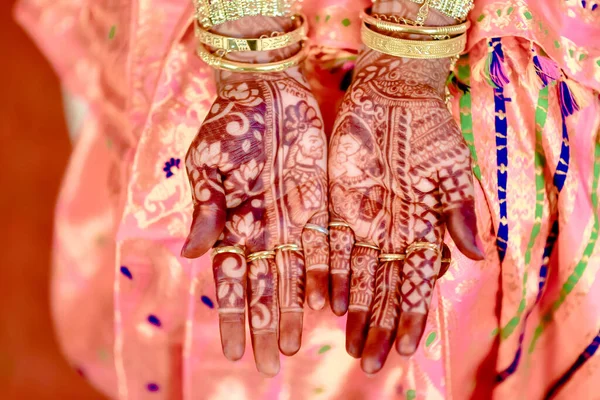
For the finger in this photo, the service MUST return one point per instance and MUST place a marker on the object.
(457, 195)
(209, 208)
(384, 317)
(290, 266)
(446, 260)
(419, 273)
(362, 289)
(230, 278)
(315, 242)
(341, 241)
(264, 314)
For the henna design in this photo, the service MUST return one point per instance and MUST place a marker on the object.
(230, 278)
(291, 281)
(398, 167)
(316, 244)
(262, 298)
(362, 284)
(341, 241)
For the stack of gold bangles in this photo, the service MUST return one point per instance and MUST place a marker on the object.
(445, 42)
(215, 12)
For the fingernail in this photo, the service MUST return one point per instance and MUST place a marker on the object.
(407, 346)
(316, 301)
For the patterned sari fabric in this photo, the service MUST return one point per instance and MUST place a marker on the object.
(139, 322)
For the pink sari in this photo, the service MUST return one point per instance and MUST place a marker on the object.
(139, 322)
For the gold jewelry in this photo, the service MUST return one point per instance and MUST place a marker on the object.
(253, 44)
(218, 62)
(339, 223)
(423, 13)
(215, 12)
(317, 228)
(423, 246)
(421, 49)
(388, 257)
(457, 9)
(228, 249)
(367, 245)
(446, 260)
(259, 255)
(450, 30)
(288, 247)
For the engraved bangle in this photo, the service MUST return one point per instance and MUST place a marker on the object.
(450, 30)
(420, 49)
(317, 228)
(367, 245)
(253, 44)
(216, 12)
(259, 255)
(228, 249)
(457, 9)
(339, 224)
(388, 257)
(218, 62)
(288, 247)
(423, 246)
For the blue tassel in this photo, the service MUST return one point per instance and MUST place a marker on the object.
(497, 74)
(568, 105)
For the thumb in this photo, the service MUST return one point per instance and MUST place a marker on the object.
(462, 226)
(210, 212)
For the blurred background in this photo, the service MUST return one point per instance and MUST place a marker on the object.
(34, 150)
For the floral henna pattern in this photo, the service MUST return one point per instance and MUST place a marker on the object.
(257, 169)
(399, 171)
(362, 284)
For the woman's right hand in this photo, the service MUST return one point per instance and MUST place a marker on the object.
(258, 174)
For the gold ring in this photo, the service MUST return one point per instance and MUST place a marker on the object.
(387, 257)
(339, 223)
(259, 255)
(219, 62)
(231, 44)
(288, 247)
(367, 245)
(446, 260)
(228, 249)
(423, 246)
(317, 228)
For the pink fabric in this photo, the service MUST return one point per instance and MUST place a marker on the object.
(125, 209)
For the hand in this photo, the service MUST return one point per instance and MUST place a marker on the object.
(258, 174)
(399, 173)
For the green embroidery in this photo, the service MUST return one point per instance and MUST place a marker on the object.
(541, 113)
(466, 118)
(346, 22)
(598, 63)
(327, 18)
(411, 394)
(499, 12)
(528, 15)
(324, 349)
(557, 44)
(582, 57)
(510, 10)
(572, 53)
(430, 338)
(317, 18)
(113, 30)
(581, 265)
(481, 18)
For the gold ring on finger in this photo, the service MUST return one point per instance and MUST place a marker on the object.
(388, 257)
(317, 228)
(228, 249)
(339, 223)
(446, 260)
(367, 245)
(259, 255)
(423, 246)
(288, 247)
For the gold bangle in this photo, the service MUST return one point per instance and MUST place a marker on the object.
(339, 224)
(228, 249)
(423, 246)
(259, 255)
(367, 245)
(215, 12)
(457, 9)
(317, 228)
(234, 66)
(288, 247)
(420, 49)
(450, 30)
(388, 257)
(253, 44)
